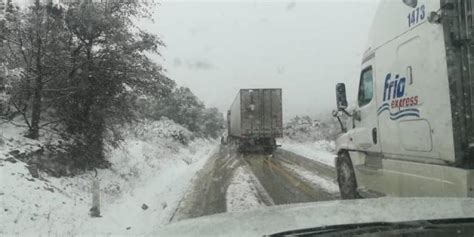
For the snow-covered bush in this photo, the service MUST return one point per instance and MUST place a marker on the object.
(184, 108)
(306, 129)
(164, 128)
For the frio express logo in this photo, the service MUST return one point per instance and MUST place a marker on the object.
(395, 101)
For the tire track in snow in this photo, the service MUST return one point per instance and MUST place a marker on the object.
(241, 195)
(232, 182)
(284, 185)
(262, 192)
(202, 187)
(245, 192)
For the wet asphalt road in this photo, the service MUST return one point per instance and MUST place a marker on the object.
(275, 182)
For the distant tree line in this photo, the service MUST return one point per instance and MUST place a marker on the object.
(183, 107)
(87, 67)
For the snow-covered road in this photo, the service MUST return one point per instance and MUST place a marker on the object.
(231, 182)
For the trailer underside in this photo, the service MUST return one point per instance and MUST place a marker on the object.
(255, 144)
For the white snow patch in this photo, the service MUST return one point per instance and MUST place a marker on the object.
(241, 194)
(161, 191)
(327, 184)
(11, 138)
(36, 207)
(150, 168)
(320, 151)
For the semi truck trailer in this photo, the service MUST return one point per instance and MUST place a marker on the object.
(411, 130)
(254, 119)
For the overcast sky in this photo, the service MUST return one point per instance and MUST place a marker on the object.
(304, 47)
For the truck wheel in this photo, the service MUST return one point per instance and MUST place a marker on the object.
(346, 177)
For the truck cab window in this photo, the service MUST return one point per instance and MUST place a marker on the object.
(366, 87)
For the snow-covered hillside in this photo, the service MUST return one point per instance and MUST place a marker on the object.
(150, 173)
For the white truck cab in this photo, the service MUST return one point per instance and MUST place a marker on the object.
(412, 129)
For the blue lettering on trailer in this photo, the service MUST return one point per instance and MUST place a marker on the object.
(417, 15)
(394, 98)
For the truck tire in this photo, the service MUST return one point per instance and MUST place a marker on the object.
(268, 149)
(346, 177)
(269, 146)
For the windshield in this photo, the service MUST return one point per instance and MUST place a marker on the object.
(135, 117)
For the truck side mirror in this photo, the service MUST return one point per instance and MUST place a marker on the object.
(341, 96)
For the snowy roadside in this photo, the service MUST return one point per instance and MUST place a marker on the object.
(160, 192)
(320, 151)
(149, 175)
